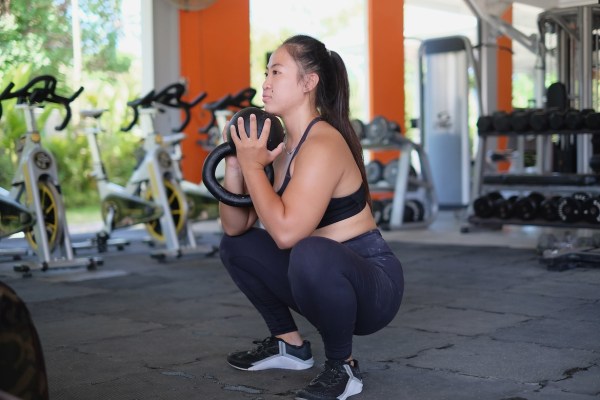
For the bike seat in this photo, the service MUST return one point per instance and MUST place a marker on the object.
(94, 113)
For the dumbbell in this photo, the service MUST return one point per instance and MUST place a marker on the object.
(504, 208)
(538, 120)
(592, 121)
(359, 128)
(374, 171)
(484, 206)
(276, 135)
(501, 121)
(570, 209)
(526, 208)
(519, 119)
(556, 119)
(591, 210)
(575, 119)
(549, 208)
(485, 124)
(413, 211)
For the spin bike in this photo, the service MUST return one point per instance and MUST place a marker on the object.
(156, 179)
(36, 185)
(197, 195)
(119, 208)
(14, 218)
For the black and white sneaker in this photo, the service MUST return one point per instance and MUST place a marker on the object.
(338, 381)
(273, 353)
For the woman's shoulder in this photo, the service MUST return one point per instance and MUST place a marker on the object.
(325, 143)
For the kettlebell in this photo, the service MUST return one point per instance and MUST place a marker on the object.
(276, 135)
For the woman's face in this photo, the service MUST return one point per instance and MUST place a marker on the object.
(282, 88)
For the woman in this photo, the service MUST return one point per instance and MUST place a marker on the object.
(320, 252)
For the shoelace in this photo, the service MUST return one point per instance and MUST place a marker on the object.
(331, 375)
(262, 345)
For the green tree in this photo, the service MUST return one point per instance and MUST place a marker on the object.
(38, 32)
(35, 39)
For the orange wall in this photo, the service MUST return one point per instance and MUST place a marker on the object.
(504, 82)
(214, 58)
(386, 59)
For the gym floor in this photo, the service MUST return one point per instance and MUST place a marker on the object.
(482, 318)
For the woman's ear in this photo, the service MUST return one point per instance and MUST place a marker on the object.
(310, 82)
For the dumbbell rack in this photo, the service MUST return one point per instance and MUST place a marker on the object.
(549, 184)
(409, 189)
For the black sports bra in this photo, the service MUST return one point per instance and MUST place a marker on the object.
(339, 208)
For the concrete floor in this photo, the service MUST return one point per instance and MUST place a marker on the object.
(482, 318)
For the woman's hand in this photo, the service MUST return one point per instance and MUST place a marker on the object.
(251, 150)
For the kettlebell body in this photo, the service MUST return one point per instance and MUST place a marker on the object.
(276, 136)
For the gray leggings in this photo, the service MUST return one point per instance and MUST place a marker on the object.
(343, 289)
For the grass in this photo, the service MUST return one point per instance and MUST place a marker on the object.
(84, 215)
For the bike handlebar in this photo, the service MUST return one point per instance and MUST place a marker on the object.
(35, 95)
(144, 102)
(171, 96)
(4, 94)
(241, 99)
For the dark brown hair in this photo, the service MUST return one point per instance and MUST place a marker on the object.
(332, 92)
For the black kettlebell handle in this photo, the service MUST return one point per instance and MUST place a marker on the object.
(223, 150)
(215, 188)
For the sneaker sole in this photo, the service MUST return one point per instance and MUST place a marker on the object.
(279, 362)
(353, 387)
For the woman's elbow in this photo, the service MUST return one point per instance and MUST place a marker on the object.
(286, 240)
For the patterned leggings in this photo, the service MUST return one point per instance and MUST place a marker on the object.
(343, 289)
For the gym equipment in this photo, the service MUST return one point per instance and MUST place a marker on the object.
(556, 120)
(196, 193)
(276, 136)
(359, 128)
(399, 177)
(379, 131)
(485, 123)
(570, 209)
(591, 210)
(414, 203)
(36, 184)
(484, 206)
(505, 208)
(119, 208)
(374, 170)
(501, 121)
(220, 112)
(549, 208)
(14, 218)
(519, 120)
(526, 208)
(447, 72)
(156, 180)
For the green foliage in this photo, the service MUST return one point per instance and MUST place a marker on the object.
(36, 39)
(38, 33)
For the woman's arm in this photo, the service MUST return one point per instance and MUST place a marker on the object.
(235, 220)
(318, 169)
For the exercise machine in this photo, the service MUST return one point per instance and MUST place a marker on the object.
(156, 179)
(199, 199)
(35, 184)
(119, 208)
(445, 109)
